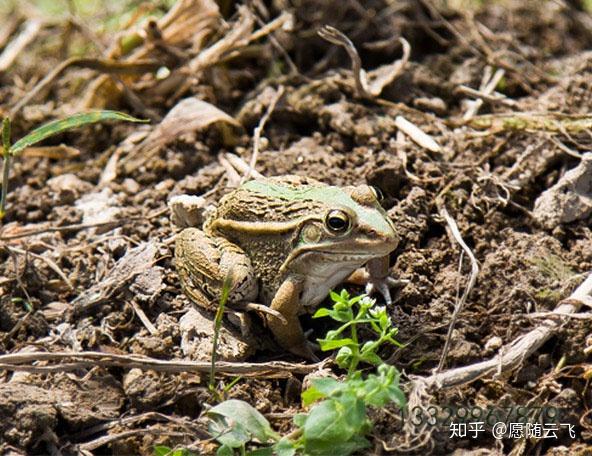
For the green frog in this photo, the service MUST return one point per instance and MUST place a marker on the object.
(284, 243)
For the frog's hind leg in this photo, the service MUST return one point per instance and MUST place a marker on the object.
(203, 262)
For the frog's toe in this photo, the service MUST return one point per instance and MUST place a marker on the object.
(382, 286)
(306, 350)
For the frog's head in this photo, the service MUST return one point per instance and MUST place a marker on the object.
(351, 223)
(321, 226)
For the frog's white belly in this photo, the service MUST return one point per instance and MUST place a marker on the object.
(326, 275)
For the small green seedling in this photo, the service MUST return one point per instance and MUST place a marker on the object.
(337, 421)
(351, 352)
(219, 395)
(162, 450)
(45, 131)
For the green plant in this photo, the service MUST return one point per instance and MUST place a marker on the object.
(43, 132)
(337, 421)
(161, 450)
(219, 394)
(351, 353)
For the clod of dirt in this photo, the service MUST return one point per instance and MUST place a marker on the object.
(67, 188)
(84, 404)
(136, 261)
(411, 217)
(197, 333)
(148, 284)
(31, 410)
(147, 389)
(99, 207)
(187, 210)
(568, 200)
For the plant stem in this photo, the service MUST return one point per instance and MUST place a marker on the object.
(217, 324)
(5, 164)
(355, 351)
(5, 170)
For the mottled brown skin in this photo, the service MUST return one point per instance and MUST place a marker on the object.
(278, 240)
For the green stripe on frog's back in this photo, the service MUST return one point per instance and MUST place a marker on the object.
(328, 195)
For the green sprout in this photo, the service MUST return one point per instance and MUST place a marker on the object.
(45, 131)
(351, 352)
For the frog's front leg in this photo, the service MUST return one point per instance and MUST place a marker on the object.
(375, 277)
(203, 263)
(289, 333)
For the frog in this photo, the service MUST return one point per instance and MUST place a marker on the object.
(281, 244)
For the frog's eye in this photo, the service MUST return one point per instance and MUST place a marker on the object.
(337, 221)
(377, 193)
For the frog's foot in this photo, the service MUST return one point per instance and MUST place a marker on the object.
(383, 286)
(253, 306)
(306, 350)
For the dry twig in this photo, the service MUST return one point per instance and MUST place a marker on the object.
(453, 227)
(47, 261)
(417, 135)
(27, 362)
(15, 47)
(487, 87)
(258, 129)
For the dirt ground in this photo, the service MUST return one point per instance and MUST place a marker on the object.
(87, 243)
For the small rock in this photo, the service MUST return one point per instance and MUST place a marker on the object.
(148, 284)
(197, 335)
(99, 207)
(130, 186)
(568, 200)
(66, 188)
(435, 104)
(187, 210)
(494, 343)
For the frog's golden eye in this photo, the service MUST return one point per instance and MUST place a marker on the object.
(337, 221)
(377, 193)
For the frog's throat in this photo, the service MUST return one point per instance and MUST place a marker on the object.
(363, 257)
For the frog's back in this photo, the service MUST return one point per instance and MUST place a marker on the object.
(274, 199)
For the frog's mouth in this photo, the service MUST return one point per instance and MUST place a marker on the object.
(311, 257)
(361, 248)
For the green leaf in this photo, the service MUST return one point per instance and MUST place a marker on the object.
(299, 419)
(326, 385)
(397, 396)
(161, 450)
(75, 121)
(342, 315)
(321, 388)
(225, 450)
(310, 396)
(284, 447)
(230, 434)
(246, 417)
(343, 357)
(384, 321)
(328, 344)
(334, 427)
(261, 452)
(327, 422)
(336, 297)
(322, 312)
(371, 358)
